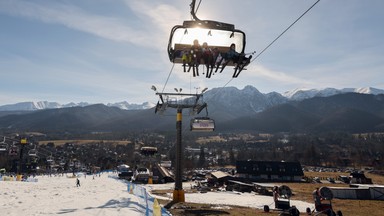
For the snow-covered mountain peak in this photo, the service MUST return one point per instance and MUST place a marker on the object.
(289, 94)
(301, 94)
(369, 90)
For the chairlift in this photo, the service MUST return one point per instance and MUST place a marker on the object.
(182, 37)
(13, 150)
(148, 151)
(50, 159)
(218, 35)
(32, 153)
(202, 124)
(62, 162)
(3, 146)
(77, 164)
(35, 159)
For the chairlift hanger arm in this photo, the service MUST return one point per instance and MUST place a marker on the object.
(193, 12)
(198, 96)
(179, 94)
(207, 23)
(5, 139)
(161, 98)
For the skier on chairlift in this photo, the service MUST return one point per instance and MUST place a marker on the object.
(237, 58)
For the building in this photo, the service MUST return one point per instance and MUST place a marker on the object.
(359, 178)
(269, 171)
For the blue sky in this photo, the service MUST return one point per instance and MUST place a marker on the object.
(103, 51)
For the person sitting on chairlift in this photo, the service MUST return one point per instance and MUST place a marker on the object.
(207, 54)
(186, 57)
(196, 56)
(237, 58)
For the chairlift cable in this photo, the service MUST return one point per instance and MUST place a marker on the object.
(253, 59)
(222, 87)
(197, 8)
(169, 75)
(284, 31)
(166, 82)
(193, 11)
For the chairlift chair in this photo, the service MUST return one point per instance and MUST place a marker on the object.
(32, 153)
(13, 150)
(182, 37)
(218, 35)
(62, 162)
(148, 151)
(35, 159)
(50, 159)
(202, 124)
(3, 146)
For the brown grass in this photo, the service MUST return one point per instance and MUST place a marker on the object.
(195, 209)
(302, 191)
(82, 142)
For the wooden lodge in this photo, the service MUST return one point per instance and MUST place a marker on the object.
(269, 171)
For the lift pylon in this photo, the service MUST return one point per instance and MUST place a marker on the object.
(179, 101)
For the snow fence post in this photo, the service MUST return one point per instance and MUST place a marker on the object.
(146, 202)
(131, 189)
(156, 208)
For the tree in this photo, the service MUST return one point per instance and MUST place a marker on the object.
(312, 156)
(232, 159)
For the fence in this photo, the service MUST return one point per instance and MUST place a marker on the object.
(152, 207)
(363, 192)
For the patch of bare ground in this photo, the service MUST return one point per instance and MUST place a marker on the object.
(193, 209)
(302, 191)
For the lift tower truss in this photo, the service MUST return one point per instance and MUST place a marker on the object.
(179, 101)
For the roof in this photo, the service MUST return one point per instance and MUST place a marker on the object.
(269, 168)
(219, 174)
(240, 183)
(358, 175)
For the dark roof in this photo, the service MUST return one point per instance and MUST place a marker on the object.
(358, 175)
(269, 168)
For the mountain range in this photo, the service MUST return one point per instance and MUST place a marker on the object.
(41, 105)
(296, 94)
(350, 110)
